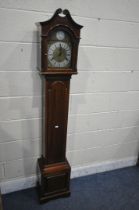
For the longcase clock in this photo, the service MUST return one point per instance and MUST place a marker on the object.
(60, 38)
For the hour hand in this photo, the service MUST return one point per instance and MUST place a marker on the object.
(60, 49)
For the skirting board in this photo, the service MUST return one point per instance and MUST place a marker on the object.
(28, 182)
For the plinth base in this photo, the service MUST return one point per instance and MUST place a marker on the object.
(53, 180)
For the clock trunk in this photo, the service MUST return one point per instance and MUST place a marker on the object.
(56, 114)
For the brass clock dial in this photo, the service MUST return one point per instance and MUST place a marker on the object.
(59, 54)
(59, 50)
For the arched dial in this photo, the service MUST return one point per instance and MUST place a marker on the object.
(59, 54)
(59, 50)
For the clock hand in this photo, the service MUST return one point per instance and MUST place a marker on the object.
(60, 49)
(60, 46)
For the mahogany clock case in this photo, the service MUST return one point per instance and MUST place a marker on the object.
(53, 167)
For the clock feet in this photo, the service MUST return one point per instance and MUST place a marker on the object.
(53, 180)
